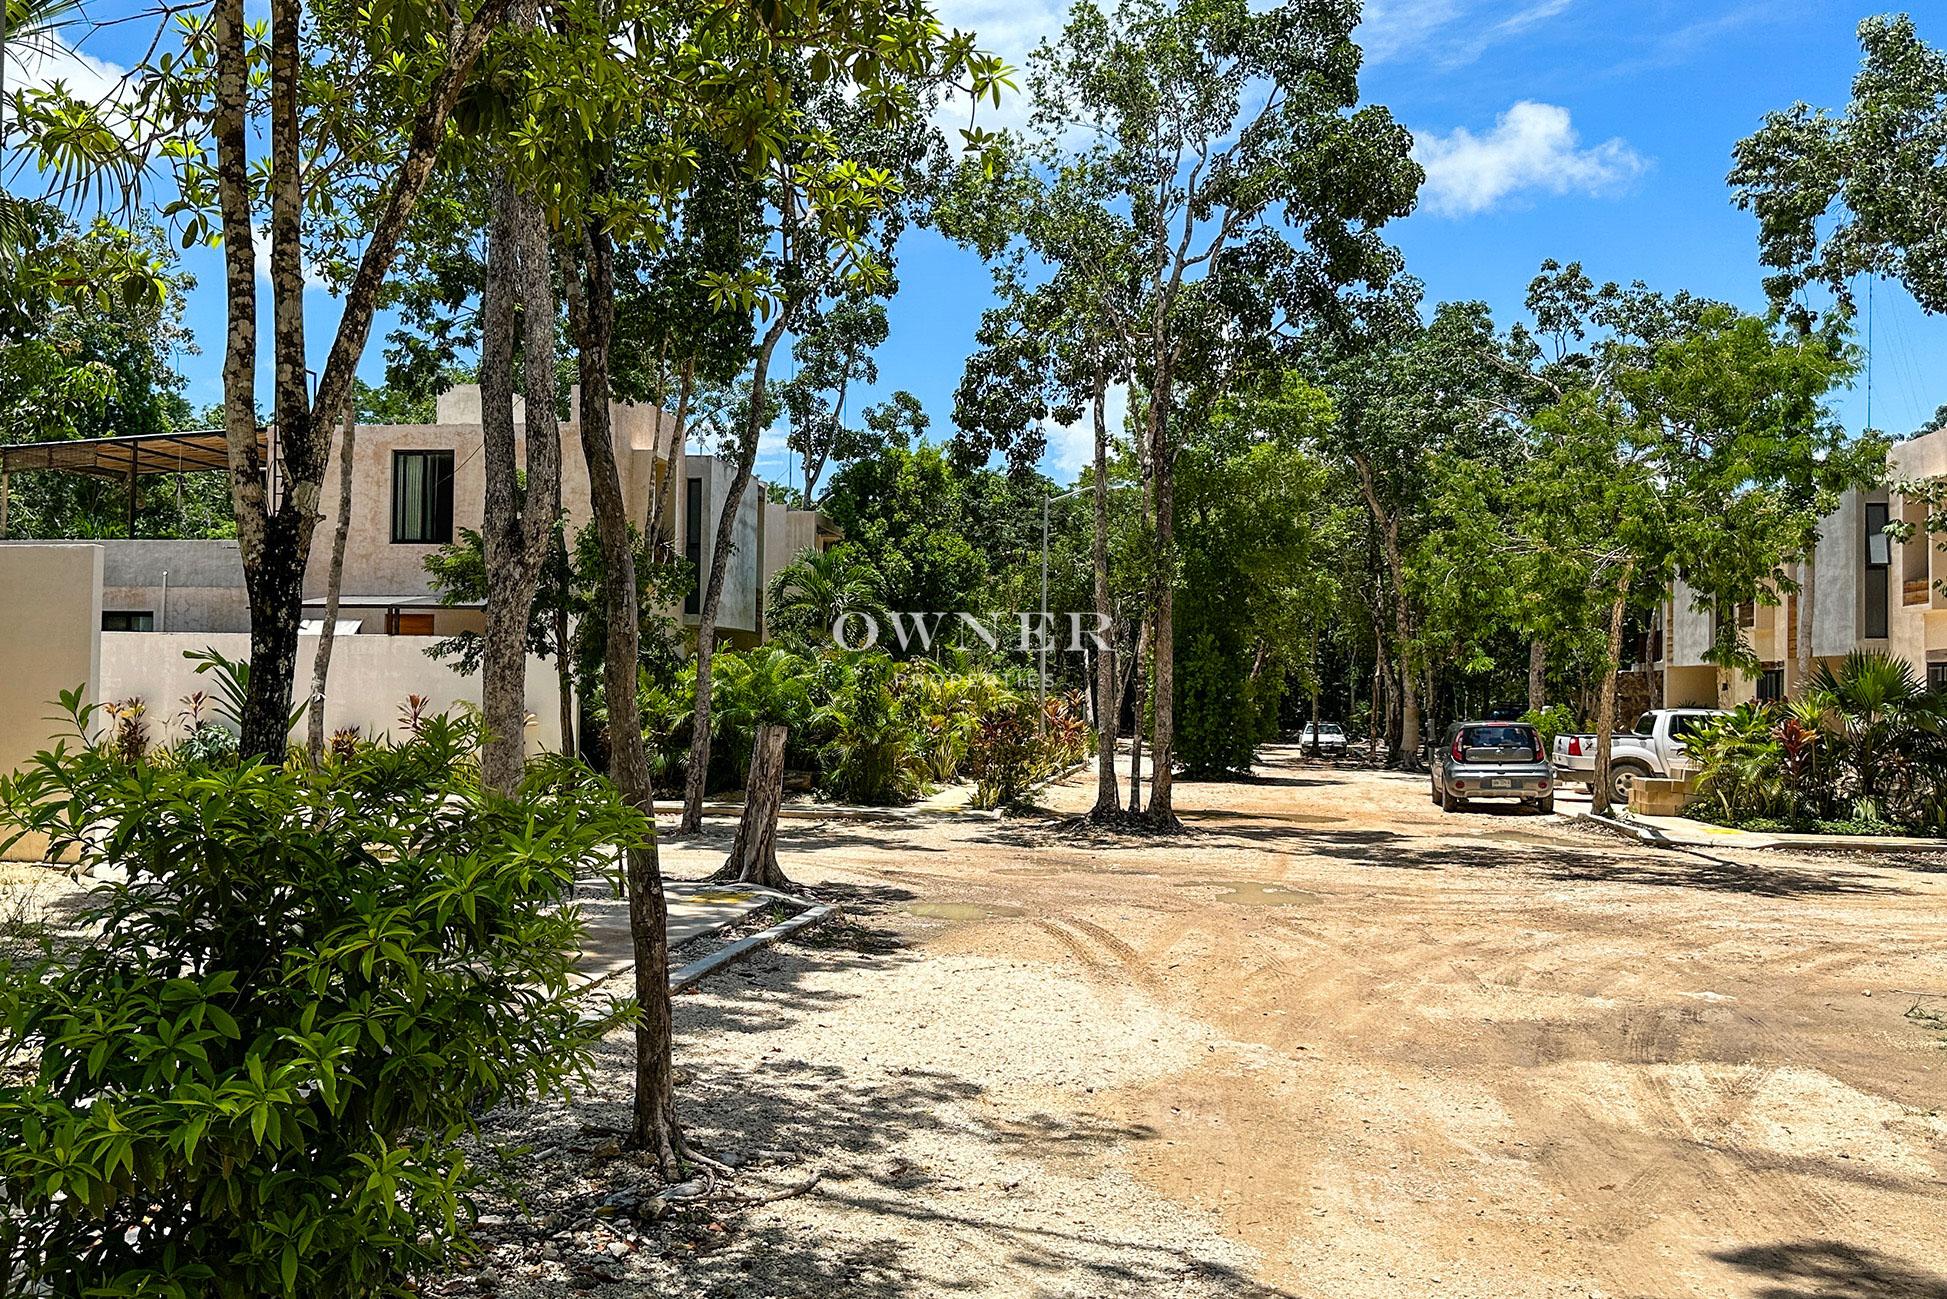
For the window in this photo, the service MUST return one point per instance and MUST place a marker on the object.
(1879, 560)
(1937, 676)
(693, 544)
(1771, 685)
(422, 498)
(1518, 742)
(1683, 726)
(1747, 614)
(127, 620)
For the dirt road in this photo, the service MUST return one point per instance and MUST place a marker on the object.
(1330, 1043)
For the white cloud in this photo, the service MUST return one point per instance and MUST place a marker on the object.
(1532, 147)
(38, 64)
(1071, 447)
(260, 250)
(1448, 33)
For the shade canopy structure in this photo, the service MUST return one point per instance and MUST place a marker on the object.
(126, 459)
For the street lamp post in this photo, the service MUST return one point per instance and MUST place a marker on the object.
(1041, 713)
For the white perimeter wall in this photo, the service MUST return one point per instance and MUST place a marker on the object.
(370, 679)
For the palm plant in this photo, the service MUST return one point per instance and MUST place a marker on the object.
(1880, 708)
(871, 752)
(811, 594)
(767, 685)
(1739, 759)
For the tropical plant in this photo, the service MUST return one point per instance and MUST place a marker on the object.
(299, 991)
(870, 752)
(1879, 709)
(811, 594)
(1739, 761)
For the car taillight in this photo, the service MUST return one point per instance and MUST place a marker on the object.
(1574, 747)
(1459, 755)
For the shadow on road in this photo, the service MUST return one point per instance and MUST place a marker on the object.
(1828, 1269)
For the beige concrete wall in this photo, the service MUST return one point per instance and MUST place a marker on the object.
(371, 676)
(376, 566)
(50, 628)
(50, 619)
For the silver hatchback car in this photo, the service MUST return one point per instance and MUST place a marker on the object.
(1493, 760)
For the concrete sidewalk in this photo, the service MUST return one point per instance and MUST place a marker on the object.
(696, 908)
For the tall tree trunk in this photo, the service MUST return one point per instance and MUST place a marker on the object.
(1137, 682)
(1382, 706)
(517, 527)
(753, 856)
(1317, 750)
(696, 780)
(1537, 675)
(1108, 803)
(654, 1129)
(1409, 704)
(334, 584)
(1605, 718)
(1807, 589)
(275, 545)
(1161, 811)
(564, 663)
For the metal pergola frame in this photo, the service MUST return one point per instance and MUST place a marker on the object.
(127, 459)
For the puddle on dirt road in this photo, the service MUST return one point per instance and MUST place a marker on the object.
(961, 911)
(1051, 872)
(1253, 893)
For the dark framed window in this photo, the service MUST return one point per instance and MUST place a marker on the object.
(422, 498)
(693, 544)
(1879, 566)
(1937, 676)
(1771, 685)
(127, 620)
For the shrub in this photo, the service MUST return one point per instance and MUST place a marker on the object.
(1005, 755)
(871, 750)
(208, 744)
(1553, 720)
(254, 1081)
(131, 729)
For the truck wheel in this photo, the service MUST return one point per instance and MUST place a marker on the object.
(1622, 778)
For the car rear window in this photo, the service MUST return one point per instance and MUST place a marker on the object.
(1524, 738)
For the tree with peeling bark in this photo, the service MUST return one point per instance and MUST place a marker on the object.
(1222, 130)
(320, 112)
(1052, 351)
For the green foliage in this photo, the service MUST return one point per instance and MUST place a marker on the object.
(255, 1078)
(1553, 720)
(1839, 195)
(871, 751)
(1866, 745)
(809, 595)
(1017, 743)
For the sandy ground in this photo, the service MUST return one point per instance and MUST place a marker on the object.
(1327, 1043)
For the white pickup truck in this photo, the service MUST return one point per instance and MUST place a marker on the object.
(1655, 748)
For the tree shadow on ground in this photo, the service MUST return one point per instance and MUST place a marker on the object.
(1830, 1269)
(908, 1152)
(1669, 869)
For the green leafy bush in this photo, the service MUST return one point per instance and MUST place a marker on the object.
(255, 1079)
(1004, 756)
(1865, 747)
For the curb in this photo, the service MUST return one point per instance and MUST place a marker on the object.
(1764, 841)
(688, 976)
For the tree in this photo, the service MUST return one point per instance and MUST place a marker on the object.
(820, 257)
(1213, 123)
(816, 591)
(1687, 441)
(1860, 192)
(353, 106)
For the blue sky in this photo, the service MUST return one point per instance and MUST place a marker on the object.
(1590, 130)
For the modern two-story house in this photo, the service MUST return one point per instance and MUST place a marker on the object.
(1869, 591)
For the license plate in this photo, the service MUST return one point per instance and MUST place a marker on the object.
(1500, 784)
